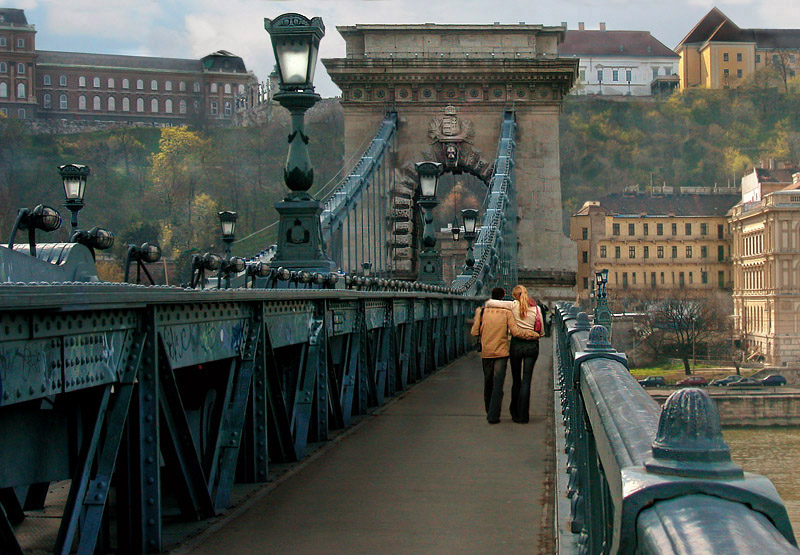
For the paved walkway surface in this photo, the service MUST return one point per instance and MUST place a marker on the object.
(426, 474)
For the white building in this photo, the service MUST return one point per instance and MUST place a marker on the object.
(619, 63)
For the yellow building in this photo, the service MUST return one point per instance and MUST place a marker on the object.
(718, 54)
(766, 274)
(655, 241)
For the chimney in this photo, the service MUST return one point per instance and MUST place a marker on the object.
(581, 26)
(602, 25)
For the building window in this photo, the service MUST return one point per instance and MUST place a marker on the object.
(646, 253)
(3, 89)
(662, 278)
(20, 43)
(168, 106)
(726, 72)
(721, 253)
(625, 280)
(20, 69)
(631, 229)
(681, 280)
(586, 283)
(616, 252)
(3, 41)
(739, 73)
(21, 90)
(48, 101)
(659, 229)
(688, 251)
(738, 56)
(81, 102)
(704, 277)
(599, 75)
(96, 103)
(631, 252)
(688, 229)
(241, 89)
(660, 252)
(139, 84)
(213, 88)
(126, 84)
(725, 57)
(674, 229)
(228, 109)
(703, 229)
(603, 251)
(21, 114)
(758, 58)
(4, 111)
(153, 85)
(182, 86)
(196, 87)
(585, 256)
(691, 278)
(62, 81)
(3, 67)
(615, 75)
(674, 252)
(182, 107)
(584, 233)
(112, 104)
(615, 229)
(645, 229)
(96, 82)
(110, 83)
(140, 104)
(62, 102)
(655, 73)
(628, 75)
(214, 108)
(633, 275)
(168, 85)
(227, 88)
(775, 59)
(81, 81)
(583, 75)
(704, 252)
(720, 232)
(154, 105)
(126, 104)
(47, 80)
(721, 279)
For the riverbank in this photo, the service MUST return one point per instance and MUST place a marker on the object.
(763, 406)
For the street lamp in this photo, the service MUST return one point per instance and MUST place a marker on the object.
(429, 259)
(227, 220)
(145, 254)
(602, 314)
(455, 230)
(41, 217)
(209, 261)
(470, 218)
(295, 42)
(73, 176)
(231, 265)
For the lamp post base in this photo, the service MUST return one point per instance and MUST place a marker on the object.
(430, 268)
(300, 244)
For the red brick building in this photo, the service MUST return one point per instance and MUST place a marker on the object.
(36, 84)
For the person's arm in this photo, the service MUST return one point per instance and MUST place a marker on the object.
(476, 323)
(493, 303)
(516, 331)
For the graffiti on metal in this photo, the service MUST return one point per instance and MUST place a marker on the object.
(93, 359)
(29, 370)
(191, 344)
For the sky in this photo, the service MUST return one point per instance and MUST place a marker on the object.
(194, 28)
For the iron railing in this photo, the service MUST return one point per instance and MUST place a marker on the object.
(636, 479)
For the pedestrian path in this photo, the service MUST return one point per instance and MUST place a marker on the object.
(427, 474)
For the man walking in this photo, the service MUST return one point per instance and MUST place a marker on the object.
(493, 325)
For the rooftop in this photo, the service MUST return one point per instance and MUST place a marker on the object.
(639, 204)
(613, 43)
(12, 16)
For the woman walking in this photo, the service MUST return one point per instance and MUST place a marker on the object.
(523, 352)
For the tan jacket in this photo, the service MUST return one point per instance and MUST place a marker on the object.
(493, 329)
(527, 323)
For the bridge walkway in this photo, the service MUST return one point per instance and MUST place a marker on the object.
(426, 474)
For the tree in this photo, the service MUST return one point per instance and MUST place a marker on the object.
(781, 63)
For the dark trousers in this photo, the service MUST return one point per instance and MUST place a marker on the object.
(523, 358)
(494, 374)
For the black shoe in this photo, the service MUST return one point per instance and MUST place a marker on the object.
(493, 421)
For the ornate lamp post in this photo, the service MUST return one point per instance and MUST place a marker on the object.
(430, 263)
(470, 217)
(74, 177)
(227, 220)
(602, 314)
(455, 230)
(295, 41)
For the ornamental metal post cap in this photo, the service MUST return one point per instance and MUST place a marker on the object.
(599, 341)
(582, 322)
(689, 441)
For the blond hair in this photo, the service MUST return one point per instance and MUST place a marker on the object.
(520, 293)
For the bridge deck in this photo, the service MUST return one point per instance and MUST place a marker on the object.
(425, 474)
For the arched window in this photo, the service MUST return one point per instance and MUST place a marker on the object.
(96, 82)
(154, 106)
(213, 88)
(139, 84)
(21, 90)
(48, 101)
(81, 81)
(110, 83)
(196, 87)
(81, 102)
(96, 103)
(182, 86)
(126, 84)
(140, 105)
(20, 69)
(168, 86)
(47, 80)
(227, 88)
(168, 106)
(3, 67)
(3, 89)
(4, 111)
(182, 107)
(112, 104)
(62, 81)
(153, 85)
(126, 104)
(62, 102)
(241, 88)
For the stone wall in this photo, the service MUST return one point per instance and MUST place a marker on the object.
(753, 409)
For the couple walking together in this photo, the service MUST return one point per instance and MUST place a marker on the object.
(493, 322)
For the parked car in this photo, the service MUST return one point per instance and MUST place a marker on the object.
(774, 379)
(745, 382)
(693, 380)
(727, 380)
(652, 381)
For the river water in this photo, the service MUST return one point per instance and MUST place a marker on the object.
(773, 452)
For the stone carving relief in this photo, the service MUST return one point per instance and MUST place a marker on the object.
(451, 144)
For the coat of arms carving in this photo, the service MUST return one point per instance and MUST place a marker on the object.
(451, 138)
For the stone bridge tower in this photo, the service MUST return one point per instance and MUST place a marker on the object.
(451, 84)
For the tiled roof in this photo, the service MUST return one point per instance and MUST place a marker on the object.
(770, 39)
(669, 205)
(716, 26)
(13, 16)
(613, 43)
(705, 27)
(115, 60)
(784, 175)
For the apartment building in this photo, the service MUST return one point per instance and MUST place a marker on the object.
(657, 240)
